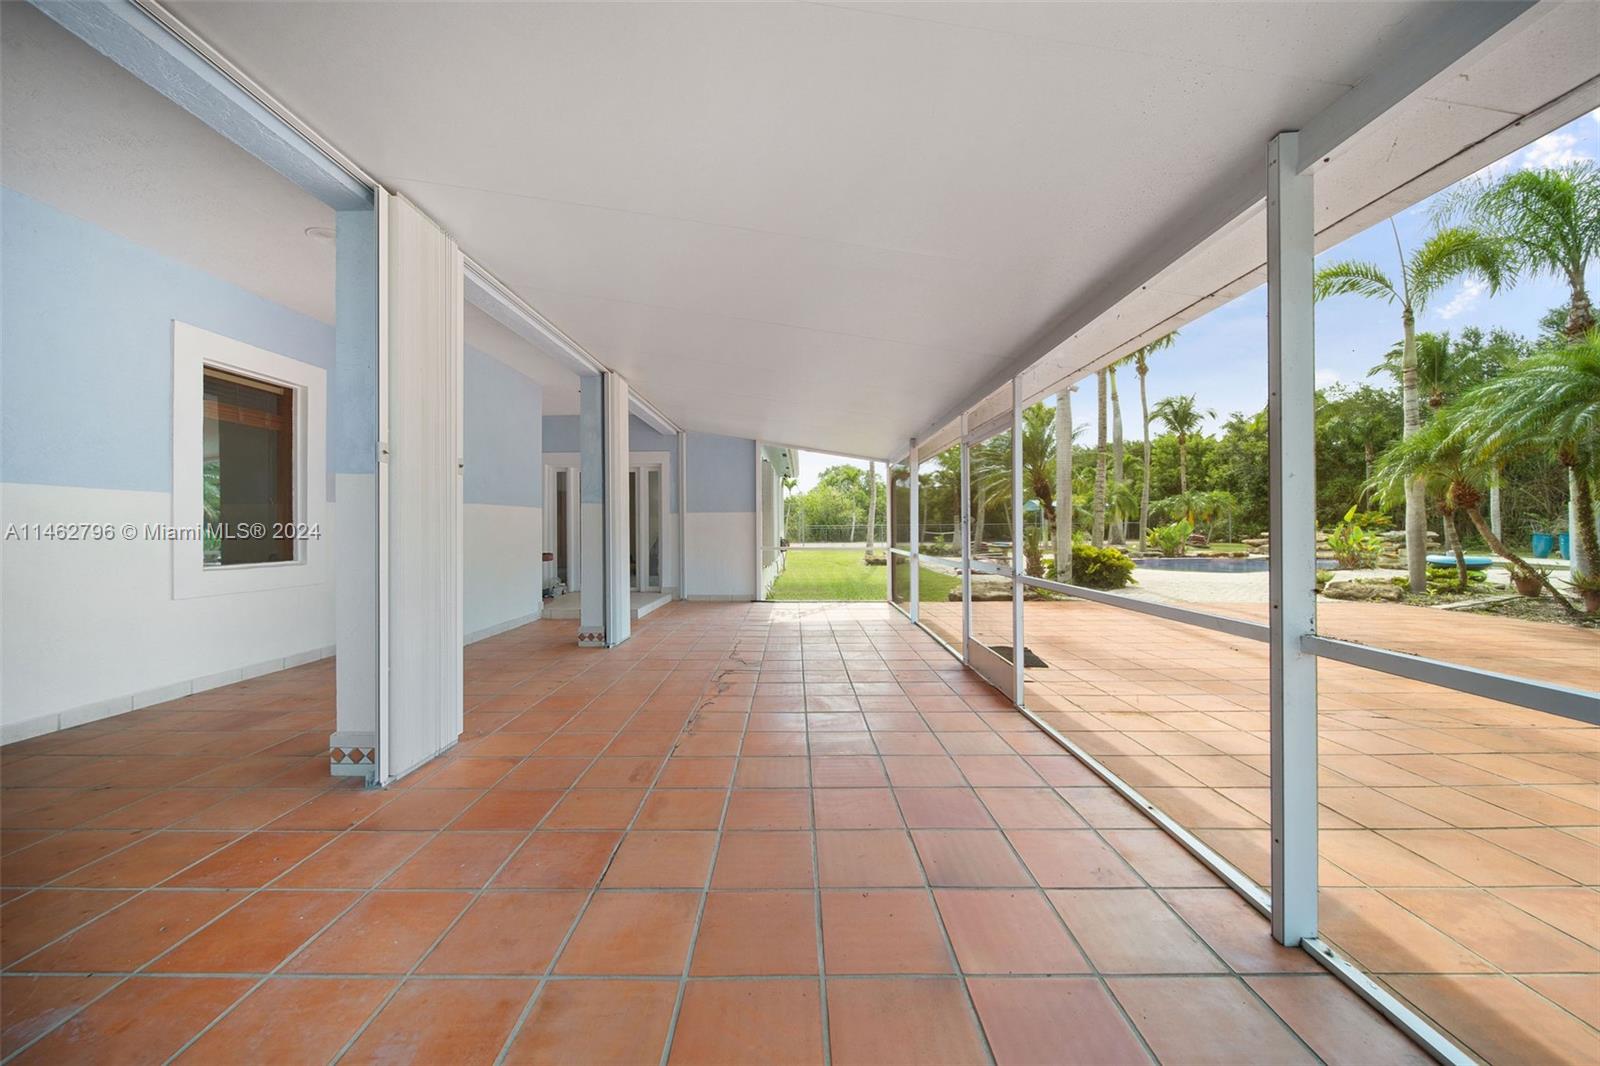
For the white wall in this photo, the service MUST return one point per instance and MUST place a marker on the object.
(721, 555)
(503, 572)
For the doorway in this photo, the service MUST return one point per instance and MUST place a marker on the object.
(645, 514)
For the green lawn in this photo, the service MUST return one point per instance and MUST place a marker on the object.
(842, 574)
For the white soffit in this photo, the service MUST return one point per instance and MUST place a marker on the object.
(827, 225)
(80, 134)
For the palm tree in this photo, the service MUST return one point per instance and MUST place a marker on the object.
(1118, 532)
(1448, 254)
(1098, 530)
(1443, 453)
(1183, 417)
(1141, 364)
(991, 461)
(1066, 435)
(1548, 405)
(1548, 222)
(872, 503)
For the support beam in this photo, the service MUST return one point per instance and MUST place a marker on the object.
(618, 533)
(1291, 418)
(915, 542)
(126, 34)
(1018, 557)
(591, 513)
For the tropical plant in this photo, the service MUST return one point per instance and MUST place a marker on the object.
(1172, 539)
(1098, 568)
(1183, 417)
(1066, 436)
(1547, 221)
(991, 461)
(1097, 528)
(1140, 357)
(1354, 546)
(1447, 255)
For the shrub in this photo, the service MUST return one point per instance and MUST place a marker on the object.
(1098, 568)
(1171, 539)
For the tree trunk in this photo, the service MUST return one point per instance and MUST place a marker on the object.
(1416, 493)
(1098, 531)
(1064, 485)
(980, 515)
(1144, 491)
(1183, 464)
(1499, 547)
(1119, 532)
(1494, 508)
(1455, 543)
(1586, 546)
(872, 504)
(1366, 454)
(1580, 313)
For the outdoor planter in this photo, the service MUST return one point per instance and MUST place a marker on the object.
(1542, 545)
(1526, 583)
(1564, 543)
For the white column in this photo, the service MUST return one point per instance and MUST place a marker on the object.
(966, 540)
(915, 544)
(355, 447)
(1291, 418)
(682, 488)
(1018, 559)
(619, 542)
(591, 513)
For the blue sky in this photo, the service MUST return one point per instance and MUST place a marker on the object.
(1222, 357)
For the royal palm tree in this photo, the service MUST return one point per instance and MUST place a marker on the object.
(1183, 417)
(1117, 533)
(872, 504)
(1066, 436)
(1548, 404)
(1098, 528)
(1445, 455)
(1449, 254)
(1141, 364)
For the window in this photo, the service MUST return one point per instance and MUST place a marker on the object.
(250, 481)
(248, 472)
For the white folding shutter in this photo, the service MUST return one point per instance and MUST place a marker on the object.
(425, 347)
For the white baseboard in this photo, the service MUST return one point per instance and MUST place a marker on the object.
(719, 599)
(12, 732)
(502, 627)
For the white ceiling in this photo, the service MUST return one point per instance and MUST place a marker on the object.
(823, 225)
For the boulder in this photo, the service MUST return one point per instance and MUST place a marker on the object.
(990, 588)
(1364, 591)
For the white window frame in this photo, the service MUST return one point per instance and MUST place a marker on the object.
(194, 349)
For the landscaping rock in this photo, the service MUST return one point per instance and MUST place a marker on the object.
(1361, 590)
(990, 588)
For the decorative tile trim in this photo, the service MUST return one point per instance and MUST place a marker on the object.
(591, 638)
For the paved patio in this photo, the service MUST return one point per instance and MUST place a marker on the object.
(774, 833)
(1460, 837)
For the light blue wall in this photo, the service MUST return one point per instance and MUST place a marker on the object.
(86, 336)
(561, 435)
(353, 410)
(503, 411)
(722, 474)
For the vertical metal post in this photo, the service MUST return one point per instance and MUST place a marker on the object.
(916, 528)
(1018, 559)
(1292, 506)
(966, 539)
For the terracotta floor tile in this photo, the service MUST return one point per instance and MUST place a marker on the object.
(771, 859)
(676, 859)
(621, 773)
(1367, 925)
(251, 809)
(1006, 931)
(1474, 859)
(149, 861)
(1574, 911)
(1551, 849)
(508, 808)
(506, 933)
(597, 1023)
(748, 1021)
(1067, 1020)
(754, 934)
(1237, 931)
(298, 1020)
(1205, 1020)
(1071, 858)
(696, 773)
(354, 860)
(1029, 808)
(1001, 771)
(32, 921)
(682, 809)
(769, 809)
(1103, 808)
(387, 932)
(32, 1006)
(1499, 1018)
(49, 859)
(923, 771)
(847, 771)
(1578, 993)
(883, 931)
(943, 808)
(905, 1020)
(443, 1021)
(256, 935)
(772, 773)
(1504, 935)
(632, 933)
(250, 861)
(455, 860)
(420, 809)
(866, 858)
(1159, 859)
(541, 774)
(1132, 931)
(595, 809)
(559, 860)
(976, 858)
(856, 808)
(133, 934)
(144, 1020)
(1380, 862)
(1340, 1028)
(158, 810)
(467, 772)
(336, 811)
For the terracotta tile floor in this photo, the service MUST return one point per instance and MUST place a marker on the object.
(1460, 837)
(753, 833)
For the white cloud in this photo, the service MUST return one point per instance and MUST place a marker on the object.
(1471, 290)
(1327, 379)
(1554, 150)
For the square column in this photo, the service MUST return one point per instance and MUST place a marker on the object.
(1292, 486)
(591, 513)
